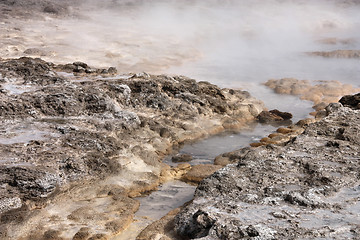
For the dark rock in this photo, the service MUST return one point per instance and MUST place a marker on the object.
(80, 64)
(251, 231)
(112, 70)
(165, 133)
(352, 101)
(273, 116)
(283, 115)
(51, 9)
(31, 182)
(199, 226)
(31, 71)
(182, 158)
(82, 234)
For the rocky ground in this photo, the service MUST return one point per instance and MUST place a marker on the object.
(306, 188)
(77, 142)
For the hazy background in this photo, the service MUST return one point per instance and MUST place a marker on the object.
(232, 43)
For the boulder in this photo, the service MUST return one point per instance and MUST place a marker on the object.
(352, 101)
(198, 172)
(273, 116)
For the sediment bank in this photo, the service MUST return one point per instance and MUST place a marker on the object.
(77, 139)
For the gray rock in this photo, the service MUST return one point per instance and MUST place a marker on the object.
(294, 187)
(59, 135)
(129, 119)
(7, 204)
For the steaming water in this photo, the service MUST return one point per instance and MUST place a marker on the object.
(206, 150)
(238, 44)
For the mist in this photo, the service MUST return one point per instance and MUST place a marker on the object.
(237, 44)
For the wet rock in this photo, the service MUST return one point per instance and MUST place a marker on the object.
(273, 116)
(284, 130)
(182, 158)
(198, 172)
(352, 101)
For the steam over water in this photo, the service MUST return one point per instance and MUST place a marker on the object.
(231, 43)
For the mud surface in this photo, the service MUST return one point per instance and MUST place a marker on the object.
(74, 124)
(305, 189)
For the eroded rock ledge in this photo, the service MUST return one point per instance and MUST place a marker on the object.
(308, 188)
(77, 142)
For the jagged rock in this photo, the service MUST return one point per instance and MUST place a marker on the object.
(61, 143)
(271, 192)
(31, 182)
(352, 101)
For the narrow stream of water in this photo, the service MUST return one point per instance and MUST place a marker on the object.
(204, 151)
(174, 194)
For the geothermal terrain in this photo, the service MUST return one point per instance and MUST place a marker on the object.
(131, 119)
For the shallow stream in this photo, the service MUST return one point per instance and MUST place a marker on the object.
(174, 194)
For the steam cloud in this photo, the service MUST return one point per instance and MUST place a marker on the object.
(232, 43)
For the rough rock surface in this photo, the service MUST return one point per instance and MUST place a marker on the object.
(308, 188)
(198, 172)
(273, 116)
(162, 229)
(71, 128)
(32, 8)
(352, 101)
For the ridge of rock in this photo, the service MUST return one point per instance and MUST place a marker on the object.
(307, 188)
